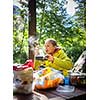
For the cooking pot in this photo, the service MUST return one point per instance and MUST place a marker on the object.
(78, 79)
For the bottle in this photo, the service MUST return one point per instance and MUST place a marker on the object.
(66, 81)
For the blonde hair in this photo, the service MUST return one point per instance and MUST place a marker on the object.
(52, 41)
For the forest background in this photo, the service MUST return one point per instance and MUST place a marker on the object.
(52, 21)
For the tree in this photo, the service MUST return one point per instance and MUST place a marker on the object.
(54, 21)
(20, 33)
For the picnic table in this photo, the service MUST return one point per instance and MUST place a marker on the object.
(52, 94)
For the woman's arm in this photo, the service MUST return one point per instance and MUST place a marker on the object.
(62, 60)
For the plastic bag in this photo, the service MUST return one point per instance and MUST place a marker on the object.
(23, 77)
(47, 78)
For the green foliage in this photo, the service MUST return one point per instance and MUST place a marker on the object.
(69, 31)
(20, 36)
(53, 21)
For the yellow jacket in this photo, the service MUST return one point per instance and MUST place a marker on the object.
(61, 62)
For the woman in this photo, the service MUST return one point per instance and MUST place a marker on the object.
(56, 58)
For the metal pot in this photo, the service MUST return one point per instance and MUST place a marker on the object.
(78, 79)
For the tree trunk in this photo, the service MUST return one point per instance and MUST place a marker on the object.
(32, 23)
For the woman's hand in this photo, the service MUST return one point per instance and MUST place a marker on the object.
(50, 57)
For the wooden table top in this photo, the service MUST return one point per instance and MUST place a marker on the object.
(52, 94)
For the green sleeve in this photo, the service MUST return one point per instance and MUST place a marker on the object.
(64, 63)
(62, 60)
(37, 64)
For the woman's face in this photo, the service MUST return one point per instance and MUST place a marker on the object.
(49, 48)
